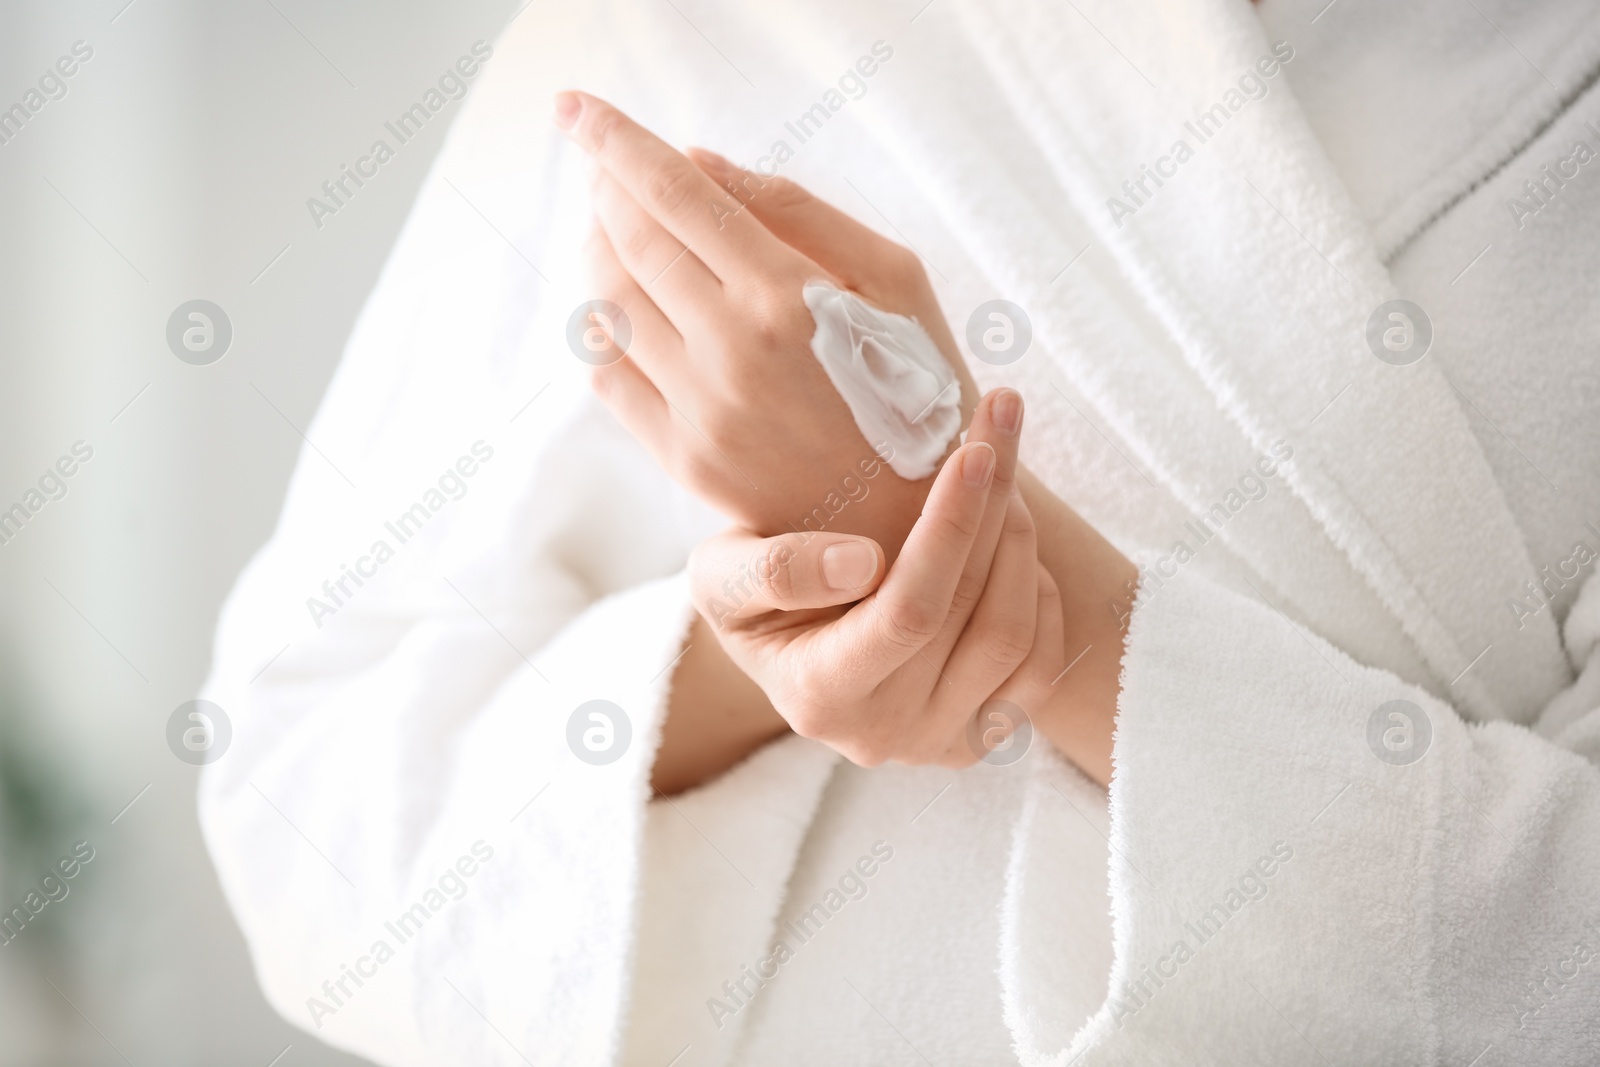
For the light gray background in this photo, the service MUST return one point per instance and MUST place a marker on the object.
(177, 167)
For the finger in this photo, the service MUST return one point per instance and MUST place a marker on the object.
(629, 394)
(674, 277)
(737, 575)
(1032, 683)
(653, 343)
(997, 639)
(697, 211)
(1025, 694)
(998, 420)
(1000, 635)
(907, 611)
(856, 255)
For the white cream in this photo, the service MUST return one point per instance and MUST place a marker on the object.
(894, 379)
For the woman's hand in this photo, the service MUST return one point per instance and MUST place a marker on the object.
(966, 615)
(708, 261)
(719, 381)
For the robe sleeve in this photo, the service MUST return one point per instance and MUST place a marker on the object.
(717, 863)
(429, 861)
(1313, 861)
(429, 832)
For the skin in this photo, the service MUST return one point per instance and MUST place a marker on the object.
(893, 663)
(945, 594)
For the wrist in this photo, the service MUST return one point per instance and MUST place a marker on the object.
(1096, 583)
(716, 716)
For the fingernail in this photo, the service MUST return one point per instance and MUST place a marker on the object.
(978, 464)
(1007, 411)
(849, 565)
(568, 104)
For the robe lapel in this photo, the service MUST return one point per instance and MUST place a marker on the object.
(1260, 272)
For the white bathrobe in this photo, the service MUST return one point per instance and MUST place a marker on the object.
(1291, 867)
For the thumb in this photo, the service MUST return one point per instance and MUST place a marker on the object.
(736, 574)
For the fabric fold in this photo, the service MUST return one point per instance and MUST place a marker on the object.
(717, 862)
(551, 833)
(1280, 814)
(1265, 198)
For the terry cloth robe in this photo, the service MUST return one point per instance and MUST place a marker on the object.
(1356, 810)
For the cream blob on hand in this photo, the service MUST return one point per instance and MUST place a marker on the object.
(892, 376)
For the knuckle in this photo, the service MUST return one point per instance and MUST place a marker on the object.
(636, 243)
(1036, 677)
(773, 572)
(805, 722)
(961, 524)
(815, 722)
(863, 752)
(969, 590)
(772, 319)
(694, 466)
(602, 127)
(722, 424)
(913, 620)
(768, 333)
(1003, 491)
(1018, 515)
(669, 188)
(743, 187)
(1009, 641)
(811, 685)
(1049, 593)
(1019, 520)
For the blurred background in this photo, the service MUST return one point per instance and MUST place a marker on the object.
(173, 164)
